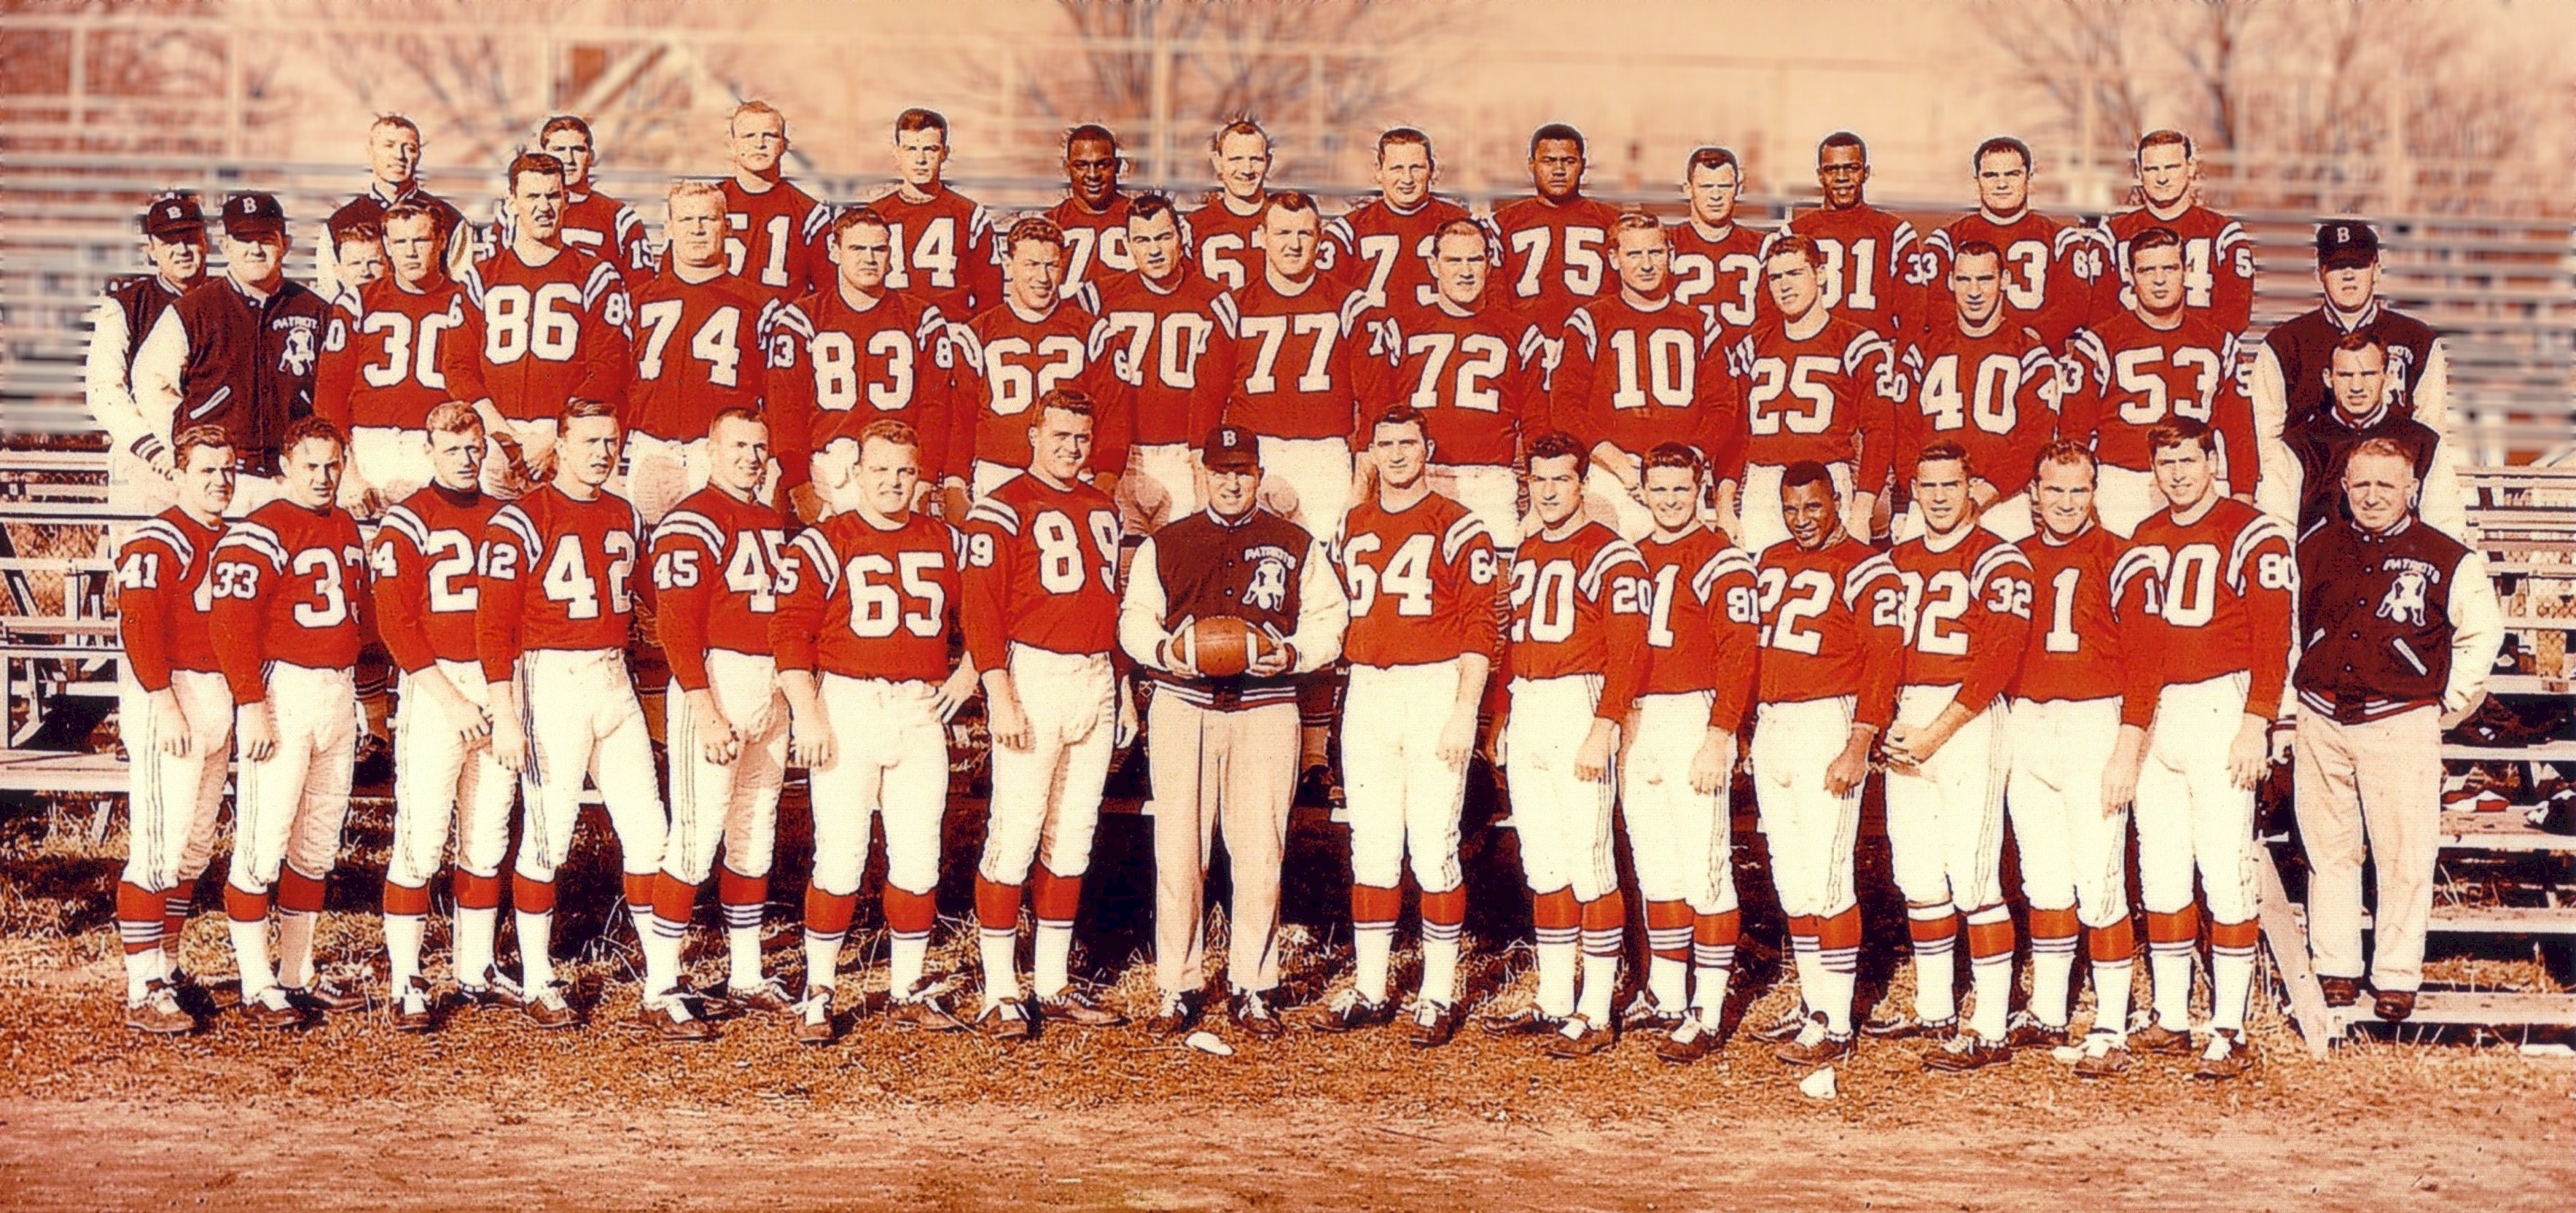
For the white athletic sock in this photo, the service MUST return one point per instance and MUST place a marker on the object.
(1668, 982)
(402, 947)
(475, 931)
(742, 944)
(1440, 965)
(2052, 979)
(536, 960)
(1832, 994)
(2171, 969)
(1715, 967)
(295, 946)
(1556, 975)
(903, 970)
(823, 959)
(1600, 985)
(1052, 968)
(1372, 944)
(1811, 967)
(1936, 972)
(141, 970)
(1993, 979)
(2231, 981)
(2111, 996)
(662, 941)
(250, 955)
(1001, 964)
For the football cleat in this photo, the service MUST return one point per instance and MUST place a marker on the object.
(1007, 1020)
(1174, 1015)
(2341, 991)
(669, 1017)
(1251, 1012)
(270, 1008)
(549, 1008)
(197, 998)
(1892, 1024)
(1350, 1011)
(769, 996)
(814, 1023)
(1815, 1046)
(1073, 1006)
(2157, 1038)
(923, 1010)
(411, 1006)
(2393, 1005)
(1528, 1021)
(1693, 1040)
(1580, 1037)
(1434, 1024)
(325, 995)
(1787, 1027)
(2105, 1056)
(2027, 1031)
(159, 1013)
(2227, 1057)
(1967, 1051)
(495, 990)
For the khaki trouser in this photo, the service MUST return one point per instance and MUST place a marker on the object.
(2382, 778)
(1236, 770)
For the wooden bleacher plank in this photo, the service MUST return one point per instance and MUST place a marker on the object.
(2547, 751)
(2285, 931)
(2502, 831)
(2485, 1008)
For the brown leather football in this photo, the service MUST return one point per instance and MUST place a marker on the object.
(1222, 645)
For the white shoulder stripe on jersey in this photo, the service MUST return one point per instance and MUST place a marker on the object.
(931, 325)
(689, 524)
(1939, 241)
(2256, 533)
(817, 219)
(516, 521)
(257, 542)
(2148, 562)
(1903, 236)
(1227, 314)
(163, 531)
(792, 319)
(1994, 560)
(996, 514)
(1579, 323)
(1862, 347)
(603, 277)
(1729, 560)
(1459, 534)
(402, 520)
(1856, 582)
(956, 545)
(1611, 556)
(819, 557)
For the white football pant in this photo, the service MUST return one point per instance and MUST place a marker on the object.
(890, 757)
(1679, 838)
(393, 462)
(1402, 798)
(1492, 494)
(2072, 856)
(660, 473)
(1307, 481)
(1945, 824)
(289, 808)
(1811, 831)
(2190, 813)
(435, 775)
(1564, 821)
(735, 803)
(1046, 799)
(173, 802)
(581, 717)
(1161, 484)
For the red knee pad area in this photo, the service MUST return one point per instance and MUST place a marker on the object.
(673, 899)
(298, 893)
(1718, 929)
(909, 913)
(477, 892)
(532, 896)
(1556, 911)
(1055, 898)
(2181, 926)
(1372, 904)
(2115, 943)
(1447, 909)
(735, 889)
(2235, 935)
(243, 906)
(406, 900)
(997, 906)
(830, 913)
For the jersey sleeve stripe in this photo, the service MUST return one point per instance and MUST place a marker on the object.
(1857, 581)
(1459, 534)
(689, 524)
(160, 530)
(820, 559)
(257, 540)
(2135, 563)
(792, 319)
(603, 277)
(404, 522)
(1862, 348)
(2262, 530)
(995, 514)
(516, 521)
(1732, 560)
(1610, 557)
(1996, 559)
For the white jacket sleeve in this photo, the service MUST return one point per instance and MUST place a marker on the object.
(110, 390)
(2442, 500)
(1323, 612)
(2477, 631)
(160, 369)
(2276, 487)
(1140, 611)
(2433, 391)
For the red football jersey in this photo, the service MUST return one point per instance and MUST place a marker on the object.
(1477, 378)
(163, 602)
(1388, 252)
(826, 358)
(777, 243)
(1421, 583)
(1095, 242)
(1004, 361)
(1817, 639)
(2217, 261)
(1556, 256)
(557, 574)
(1963, 611)
(1579, 606)
(1634, 377)
(2056, 276)
(1722, 277)
(1874, 275)
(1704, 629)
(719, 568)
(869, 603)
(946, 253)
(1174, 351)
(2127, 378)
(1041, 570)
(287, 584)
(2081, 639)
(1302, 362)
(424, 566)
(1229, 245)
(699, 349)
(611, 231)
(1830, 397)
(1994, 395)
(2221, 589)
(386, 353)
(546, 334)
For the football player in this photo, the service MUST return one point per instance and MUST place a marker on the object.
(862, 650)
(1007, 359)
(776, 229)
(287, 585)
(386, 355)
(2221, 582)
(720, 562)
(944, 242)
(700, 348)
(1389, 238)
(1093, 215)
(2217, 253)
(1868, 269)
(393, 164)
(555, 603)
(1041, 617)
(854, 342)
(1982, 382)
(1827, 684)
(2138, 369)
(175, 715)
(1227, 223)
(362, 257)
(1476, 367)
(1420, 570)
(1300, 358)
(2056, 275)
(1702, 633)
(445, 773)
(1817, 388)
(2075, 760)
(1578, 656)
(592, 221)
(1169, 334)
(1717, 262)
(1639, 370)
(1960, 607)
(549, 323)
(1555, 241)
(174, 242)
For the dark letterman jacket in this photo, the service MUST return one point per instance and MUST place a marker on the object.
(250, 363)
(1260, 568)
(2322, 442)
(2376, 617)
(2304, 345)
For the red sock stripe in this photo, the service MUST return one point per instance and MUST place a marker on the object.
(735, 889)
(175, 918)
(1938, 929)
(2115, 943)
(2054, 924)
(1718, 929)
(403, 899)
(830, 913)
(1988, 940)
(997, 906)
(243, 906)
(1608, 912)
(1447, 909)
(1842, 931)
(138, 916)
(532, 896)
(639, 892)
(298, 893)
(1667, 915)
(1556, 911)
(1055, 898)
(2235, 935)
(909, 913)
(2181, 926)
(1373, 904)
(672, 899)
(477, 892)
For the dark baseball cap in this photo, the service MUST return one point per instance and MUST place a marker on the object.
(252, 216)
(1230, 446)
(171, 216)
(2346, 242)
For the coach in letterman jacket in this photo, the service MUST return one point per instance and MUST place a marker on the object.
(2398, 625)
(1225, 749)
